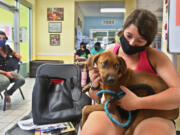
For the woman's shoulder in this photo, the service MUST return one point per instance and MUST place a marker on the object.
(156, 56)
(153, 52)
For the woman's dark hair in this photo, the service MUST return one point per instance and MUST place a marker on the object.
(3, 33)
(145, 21)
(83, 45)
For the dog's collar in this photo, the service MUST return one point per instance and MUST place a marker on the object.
(94, 88)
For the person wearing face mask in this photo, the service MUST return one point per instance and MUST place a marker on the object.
(116, 40)
(97, 49)
(139, 31)
(8, 76)
(83, 52)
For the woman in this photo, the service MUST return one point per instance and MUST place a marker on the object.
(139, 31)
(83, 52)
(6, 74)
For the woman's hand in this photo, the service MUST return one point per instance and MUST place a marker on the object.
(18, 56)
(95, 80)
(94, 77)
(10, 75)
(129, 101)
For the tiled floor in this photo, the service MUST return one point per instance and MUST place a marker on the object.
(19, 107)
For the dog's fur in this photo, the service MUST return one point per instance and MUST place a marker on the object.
(113, 73)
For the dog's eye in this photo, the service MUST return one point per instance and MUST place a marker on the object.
(116, 66)
(104, 63)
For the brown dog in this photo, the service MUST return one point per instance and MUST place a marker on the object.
(113, 73)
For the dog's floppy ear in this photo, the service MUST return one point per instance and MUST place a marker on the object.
(122, 63)
(92, 60)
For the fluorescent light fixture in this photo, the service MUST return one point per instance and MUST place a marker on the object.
(112, 10)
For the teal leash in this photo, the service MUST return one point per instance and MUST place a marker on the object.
(116, 95)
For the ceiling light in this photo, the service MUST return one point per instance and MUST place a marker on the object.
(112, 10)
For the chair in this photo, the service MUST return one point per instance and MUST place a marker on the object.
(16, 70)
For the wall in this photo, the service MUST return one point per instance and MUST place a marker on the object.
(7, 19)
(79, 25)
(99, 0)
(130, 5)
(41, 47)
(79, 14)
(66, 49)
(96, 23)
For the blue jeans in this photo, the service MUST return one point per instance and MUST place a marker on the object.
(18, 81)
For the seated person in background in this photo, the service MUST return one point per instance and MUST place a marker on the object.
(97, 49)
(116, 40)
(7, 76)
(82, 53)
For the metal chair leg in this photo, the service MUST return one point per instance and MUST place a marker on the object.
(5, 98)
(22, 94)
(4, 105)
(1, 96)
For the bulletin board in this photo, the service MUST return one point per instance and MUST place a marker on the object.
(173, 26)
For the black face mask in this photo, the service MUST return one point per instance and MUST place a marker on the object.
(84, 47)
(128, 49)
(96, 48)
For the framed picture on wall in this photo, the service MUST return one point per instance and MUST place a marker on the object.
(55, 14)
(54, 39)
(55, 27)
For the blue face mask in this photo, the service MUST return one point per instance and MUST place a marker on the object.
(2, 43)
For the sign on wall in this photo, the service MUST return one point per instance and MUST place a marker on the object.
(8, 30)
(178, 12)
(55, 27)
(55, 14)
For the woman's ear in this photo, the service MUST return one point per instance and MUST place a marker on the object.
(92, 60)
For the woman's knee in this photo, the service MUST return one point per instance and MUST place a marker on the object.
(19, 79)
(94, 124)
(4, 82)
(99, 124)
(22, 81)
(155, 126)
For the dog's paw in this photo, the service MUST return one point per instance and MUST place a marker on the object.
(86, 88)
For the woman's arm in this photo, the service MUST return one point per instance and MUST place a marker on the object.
(166, 100)
(170, 98)
(3, 72)
(95, 82)
(15, 54)
(8, 74)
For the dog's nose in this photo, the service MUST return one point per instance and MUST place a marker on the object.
(110, 79)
